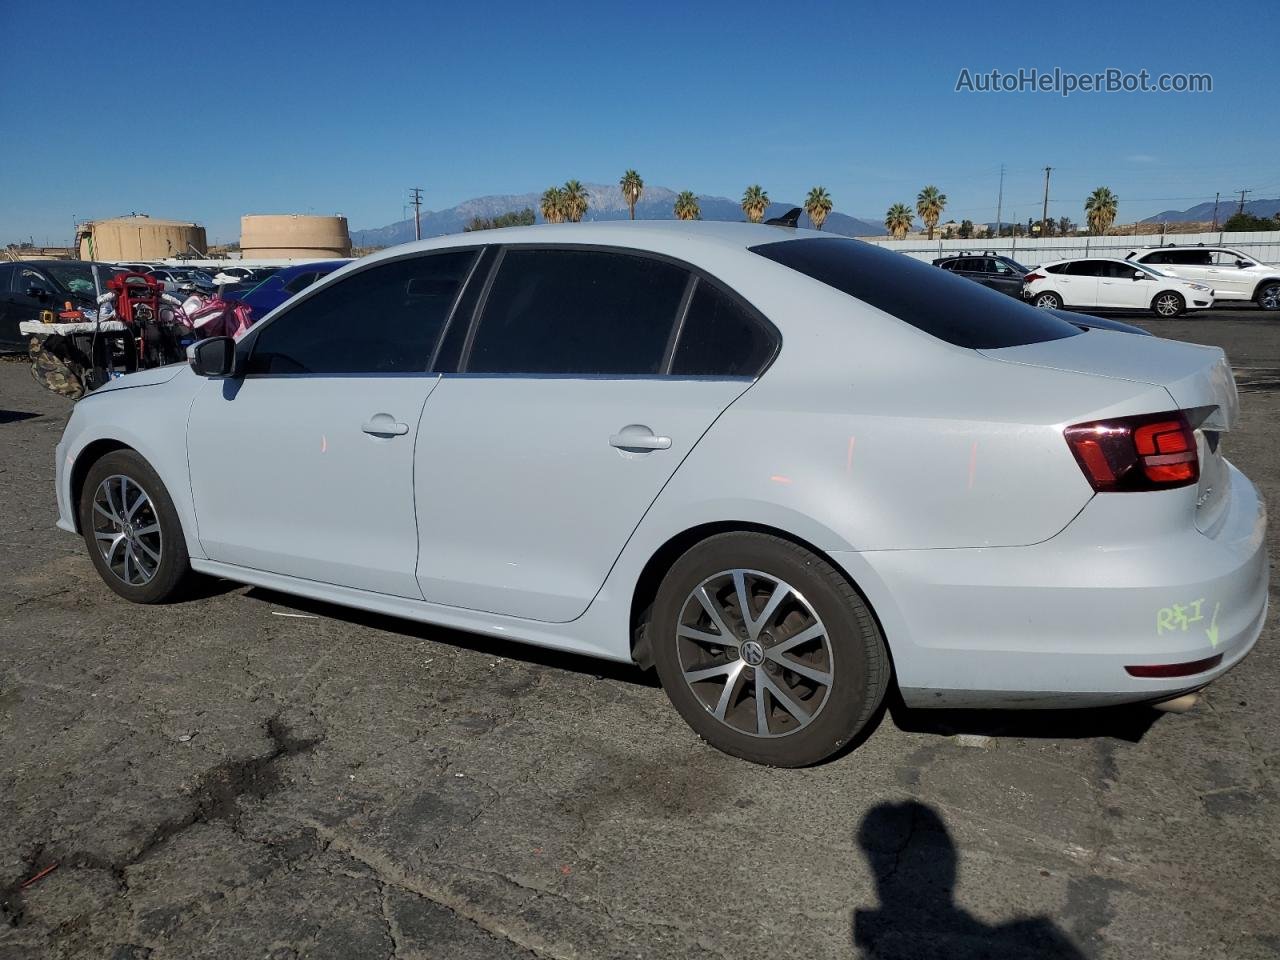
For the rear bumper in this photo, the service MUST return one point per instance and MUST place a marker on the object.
(1056, 623)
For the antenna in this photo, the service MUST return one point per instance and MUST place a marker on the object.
(789, 219)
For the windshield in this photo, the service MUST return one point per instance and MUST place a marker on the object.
(76, 276)
(1014, 264)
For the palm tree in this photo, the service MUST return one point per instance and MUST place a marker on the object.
(898, 220)
(929, 204)
(755, 202)
(817, 205)
(1100, 209)
(686, 206)
(632, 186)
(553, 205)
(575, 200)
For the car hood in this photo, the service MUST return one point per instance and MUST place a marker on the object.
(1194, 375)
(143, 378)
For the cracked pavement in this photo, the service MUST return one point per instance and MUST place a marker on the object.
(210, 779)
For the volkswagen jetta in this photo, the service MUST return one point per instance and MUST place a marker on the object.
(784, 468)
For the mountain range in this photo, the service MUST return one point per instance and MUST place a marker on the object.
(605, 203)
(1226, 207)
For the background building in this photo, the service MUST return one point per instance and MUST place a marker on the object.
(272, 236)
(139, 237)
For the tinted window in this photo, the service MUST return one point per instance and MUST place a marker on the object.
(720, 338)
(577, 312)
(1119, 271)
(301, 281)
(1057, 268)
(1190, 258)
(1087, 268)
(381, 320)
(950, 308)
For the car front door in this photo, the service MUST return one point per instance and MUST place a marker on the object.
(1228, 279)
(1119, 286)
(587, 378)
(11, 312)
(304, 467)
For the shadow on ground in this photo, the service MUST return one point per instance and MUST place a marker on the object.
(915, 865)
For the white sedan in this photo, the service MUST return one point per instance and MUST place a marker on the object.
(1113, 284)
(785, 468)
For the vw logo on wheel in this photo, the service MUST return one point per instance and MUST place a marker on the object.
(752, 653)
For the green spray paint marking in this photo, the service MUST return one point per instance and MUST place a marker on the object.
(1178, 617)
(1212, 629)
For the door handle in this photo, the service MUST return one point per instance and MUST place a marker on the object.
(385, 425)
(636, 437)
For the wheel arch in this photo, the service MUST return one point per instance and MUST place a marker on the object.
(1257, 289)
(91, 454)
(1177, 293)
(660, 561)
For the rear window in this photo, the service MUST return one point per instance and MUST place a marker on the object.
(948, 307)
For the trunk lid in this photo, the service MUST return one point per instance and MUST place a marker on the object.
(1197, 378)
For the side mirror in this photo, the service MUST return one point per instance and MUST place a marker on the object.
(1243, 264)
(214, 358)
(1139, 275)
(39, 293)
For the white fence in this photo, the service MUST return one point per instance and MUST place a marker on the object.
(1263, 245)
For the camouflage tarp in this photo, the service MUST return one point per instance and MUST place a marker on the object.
(53, 368)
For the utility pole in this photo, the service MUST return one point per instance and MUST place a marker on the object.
(1216, 197)
(999, 200)
(1242, 193)
(417, 213)
(1044, 214)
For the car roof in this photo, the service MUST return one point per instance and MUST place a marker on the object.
(1051, 263)
(294, 269)
(658, 236)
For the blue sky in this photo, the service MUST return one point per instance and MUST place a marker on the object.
(335, 107)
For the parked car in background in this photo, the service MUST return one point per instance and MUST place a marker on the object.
(693, 445)
(1233, 275)
(283, 284)
(183, 279)
(988, 268)
(29, 288)
(1115, 285)
(232, 274)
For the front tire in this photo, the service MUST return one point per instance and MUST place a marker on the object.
(1168, 305)
(132, 529)
(1047, 301)
(1268, 297)
(790, 683)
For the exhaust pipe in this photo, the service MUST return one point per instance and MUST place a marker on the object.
(1180, 704)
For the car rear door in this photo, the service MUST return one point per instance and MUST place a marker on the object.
(304, 467)
(1079, 283)
(587, 377)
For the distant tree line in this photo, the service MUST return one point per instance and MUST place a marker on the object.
(521, 218)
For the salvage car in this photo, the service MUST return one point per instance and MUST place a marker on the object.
(32, 289)
(786, 469)
(987, 268)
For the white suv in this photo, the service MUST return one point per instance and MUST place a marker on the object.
(1232, 275)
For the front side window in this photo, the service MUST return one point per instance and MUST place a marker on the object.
(384, 319)
(301, 281)
(577, 312)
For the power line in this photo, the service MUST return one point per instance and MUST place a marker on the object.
(1044, 213)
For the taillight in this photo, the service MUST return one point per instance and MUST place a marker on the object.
(1151, 452)
(1032, 276)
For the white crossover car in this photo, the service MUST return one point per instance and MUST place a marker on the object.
(1232, 274)
(785, 468)
(1104, 283)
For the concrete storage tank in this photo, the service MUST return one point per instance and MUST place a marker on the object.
(139, 237)
(277, 236)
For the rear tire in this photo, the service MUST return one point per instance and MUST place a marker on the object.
(1168, 305)
(1268, 296)
(797, 679)
(132, 529)
(1047, 301)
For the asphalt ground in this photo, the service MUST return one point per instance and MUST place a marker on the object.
(249, 775)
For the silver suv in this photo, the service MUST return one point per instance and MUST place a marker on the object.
(1232, 274)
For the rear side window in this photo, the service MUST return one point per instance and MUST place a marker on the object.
(950, 308)
(577, 312)
(385, 319)
(719, 338)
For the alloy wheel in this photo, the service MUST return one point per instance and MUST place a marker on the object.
(755, 653)
(126, 529)
(1167, 305)
(1048, 301)
(1269, 298)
